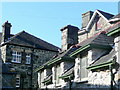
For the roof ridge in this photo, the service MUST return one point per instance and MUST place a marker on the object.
(35, 42)
(104, 12)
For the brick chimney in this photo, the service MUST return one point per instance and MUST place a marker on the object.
(6, 31)
(86, 18)
(69, 36)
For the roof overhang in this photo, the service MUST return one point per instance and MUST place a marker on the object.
(87, 47)
(113, 32)
(66, 76)
(48, 80)
(111, 62)
(79, 50)
(54, 61)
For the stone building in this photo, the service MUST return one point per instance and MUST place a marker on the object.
(92, 61)
(23, 53)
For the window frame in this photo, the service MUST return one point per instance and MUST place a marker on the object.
(16, 57)
(28, 58)
(83, 67)
(17, 81)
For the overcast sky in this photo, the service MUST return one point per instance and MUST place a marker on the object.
(45, 19)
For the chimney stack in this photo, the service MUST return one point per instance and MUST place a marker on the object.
(69, 36)
(86, 18)
(6, 31)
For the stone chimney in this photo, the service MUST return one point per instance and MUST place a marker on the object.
(86, 18)
(6, 31)
(69, 36)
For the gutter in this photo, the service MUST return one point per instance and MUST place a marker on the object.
(101, 65)
(79, 50)
(113, 32)
(66, 76)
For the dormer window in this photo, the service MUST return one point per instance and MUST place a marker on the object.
(28, 58)
(16, 57)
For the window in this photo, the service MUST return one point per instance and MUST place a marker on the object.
(16, 57)
(18, 81)
(84, 72)
(58, 73)
(28, 59)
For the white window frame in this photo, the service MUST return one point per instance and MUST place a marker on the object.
(16, 57)
(28, 58)
(18, 81)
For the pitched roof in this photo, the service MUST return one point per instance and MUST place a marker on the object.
(113, 28)
(104, 15)
(105, 58)
(25, 39)
(11, 35)
(68, 72)
(62, 56)
(99, 39)
(58, 57)
(116, 16)
(48, 79)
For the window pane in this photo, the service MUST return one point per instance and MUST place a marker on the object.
(16, 57)
(84, 71)
(28, 59)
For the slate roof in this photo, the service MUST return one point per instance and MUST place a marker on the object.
(99, 39)
(25, 39)
(116, 16)
(105, 58)
(48, 78)
(1, 36)
(68, 72)
(60, 55)
(106, 15)
(67, 52)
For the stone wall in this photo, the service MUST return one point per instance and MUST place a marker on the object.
(82, 37)
(117, 49)
(95, 27)
(3, 53)
(100, 78)
(38, 58)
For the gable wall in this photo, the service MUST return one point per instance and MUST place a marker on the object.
(94, 28)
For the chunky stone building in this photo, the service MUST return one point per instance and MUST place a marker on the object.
(23, 53)
(89, 58)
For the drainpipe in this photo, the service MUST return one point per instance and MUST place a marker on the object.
(110, 67)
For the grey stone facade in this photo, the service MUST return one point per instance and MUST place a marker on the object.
(95, 58)
(25, 70)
